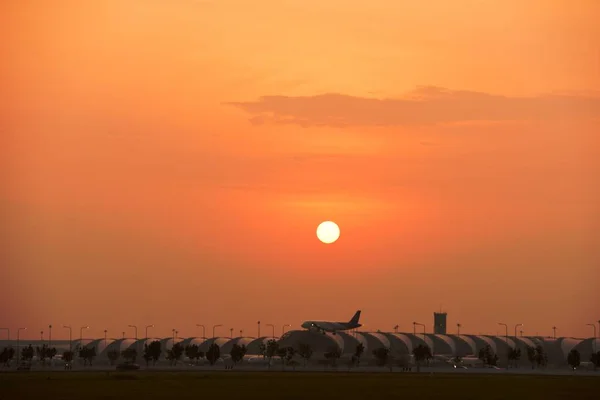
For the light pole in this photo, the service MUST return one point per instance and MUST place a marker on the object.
(230, 333)
(516, 326)
(7, 332)
(148, 326)
(273, 327)
(24, 329)
(258, 329)
(41, 336)
(70, 336)
(81, 333)
(123, 335)
(505, 326)
(105, 331)
(134, 327)
(593, 340)
(203, 330)
(283, 328)
(415, 329)
(49, 335)
(241, 333)
(214, 327)
(521, 332)
(458, 329)
(554, 329)
(173, 332)
(396, 329)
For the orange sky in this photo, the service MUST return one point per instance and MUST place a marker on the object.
(168, 161)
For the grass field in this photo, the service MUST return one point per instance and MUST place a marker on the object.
(281, 385)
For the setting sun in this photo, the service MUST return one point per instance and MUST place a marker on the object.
(328, 232)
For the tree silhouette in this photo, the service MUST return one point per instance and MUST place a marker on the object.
(574, 359)
(282, 353)
(262, 349)
(174, 353)
(360, 349)
(213, 353)
(421, 353)
(305, 351)
(155, 350)
(87, 354)
(192, 351)
(488, 356)
(44, 353)
(531, 356)
(129, 354)
(27, 353)
(513, 356)
(237, 353)
(271, 350)
(541, 358)
(333, 354)
(381, 356)
(6, 356)
(595, 359)
(68, 359)
(113, 356)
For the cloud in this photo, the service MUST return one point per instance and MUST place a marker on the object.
(425, 105)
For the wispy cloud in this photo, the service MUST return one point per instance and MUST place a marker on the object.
(425, 105)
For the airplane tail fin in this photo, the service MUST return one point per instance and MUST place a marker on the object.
(355, 318)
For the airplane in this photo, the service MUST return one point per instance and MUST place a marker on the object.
(333, 327)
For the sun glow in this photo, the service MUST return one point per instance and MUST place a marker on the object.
(328, 232)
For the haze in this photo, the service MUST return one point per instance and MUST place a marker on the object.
(167, 162)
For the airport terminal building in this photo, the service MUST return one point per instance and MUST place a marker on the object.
(444, 347)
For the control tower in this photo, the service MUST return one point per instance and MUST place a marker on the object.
(439, 322)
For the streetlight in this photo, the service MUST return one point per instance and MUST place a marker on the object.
(241, 333)
(516, 326)
(49, 335)
(7, 332)
(230, 333)
(283, 328)
(203, 330)
(41, 336)
(70, 336)
(396, 329)
(105, 331)
(81, 332)
(273, 327)
(173, 332)
(258, 329)
(134, 327)
(505, 326)
(458, 328)
(18, 351)
(521, 332)
(215, 326)
(594, 340)
(148, 326)
(554, 329)
(123, 335)
(415, 330)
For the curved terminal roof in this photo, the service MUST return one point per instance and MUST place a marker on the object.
(319, 342)
(400, 343)
(464, 345)
(227, 347)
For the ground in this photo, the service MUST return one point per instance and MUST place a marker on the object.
(291, 385)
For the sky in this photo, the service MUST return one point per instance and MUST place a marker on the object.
(167, 162)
